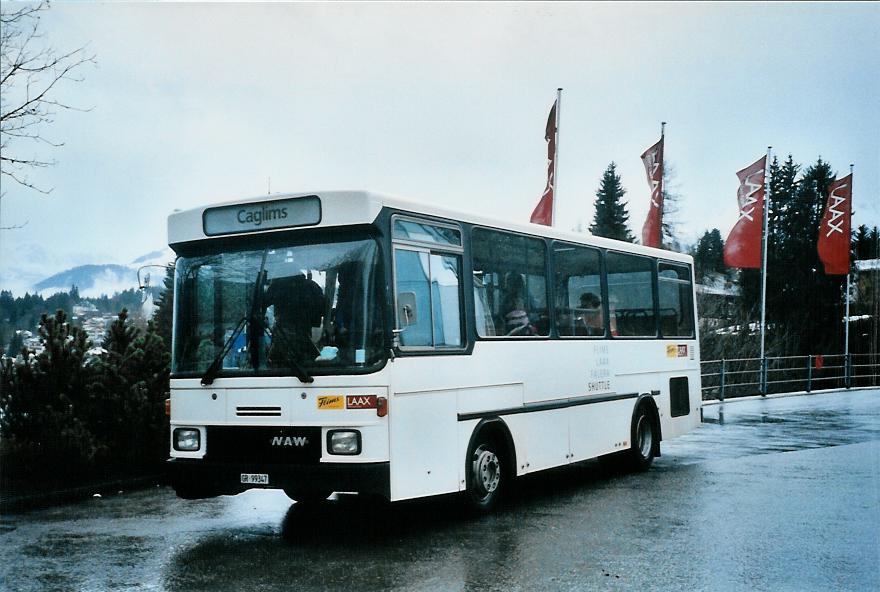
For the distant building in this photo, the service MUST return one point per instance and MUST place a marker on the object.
(84, 309)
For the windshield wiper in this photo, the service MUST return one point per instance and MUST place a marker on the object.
(214, 368)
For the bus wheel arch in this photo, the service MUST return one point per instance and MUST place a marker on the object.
(645, 424)
(490, 464)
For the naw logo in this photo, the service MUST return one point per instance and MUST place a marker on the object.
(290, 441)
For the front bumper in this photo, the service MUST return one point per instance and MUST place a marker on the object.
(192, 478)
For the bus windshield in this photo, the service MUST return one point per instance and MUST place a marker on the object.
(282, 308)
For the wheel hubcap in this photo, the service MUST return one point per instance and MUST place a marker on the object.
(645, 436)
(486, 471)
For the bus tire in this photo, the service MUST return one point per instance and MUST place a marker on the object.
(644, 437)
(486, 472)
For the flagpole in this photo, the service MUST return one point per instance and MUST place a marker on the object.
(848, 274)
(556, 159)
(662, 186)
(764, 270)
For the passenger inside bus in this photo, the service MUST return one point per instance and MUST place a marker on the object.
(516, 318)
(298, 305)
(589, 320)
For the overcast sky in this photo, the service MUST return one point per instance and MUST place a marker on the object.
(444, 103)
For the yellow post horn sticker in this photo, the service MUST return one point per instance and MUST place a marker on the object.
(677, 351)
(331, 402)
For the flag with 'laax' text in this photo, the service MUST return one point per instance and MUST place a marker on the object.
(543, 212)
(652, 158)
(835, 228)
(743, 246)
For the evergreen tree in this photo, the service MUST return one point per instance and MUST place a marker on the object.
(120, 335)
(165, 308)
(15, 344)
(128, 400)
(802, 301)
(785, 209)
(149, 378)
(42, 401)
(610, 219)
(865, 243)
(670, 222)
(860, 240)
(708, 255)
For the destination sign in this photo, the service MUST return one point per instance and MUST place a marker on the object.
(264, 215)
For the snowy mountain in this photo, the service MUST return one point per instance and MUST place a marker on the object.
(91, 279)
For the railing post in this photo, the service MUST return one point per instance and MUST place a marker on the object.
(721, 392)
(809, 373)
(764, 376)
(847, 369)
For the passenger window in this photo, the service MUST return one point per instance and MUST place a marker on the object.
(510, 284)
(630, 295)
(676, 300)
(578, 281)
(427, 296)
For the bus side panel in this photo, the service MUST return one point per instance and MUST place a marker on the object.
(599, 428)
(676, 426)
(488, 397)
(424, 444)
(547, 437)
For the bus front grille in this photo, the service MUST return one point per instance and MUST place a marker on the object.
(258, 411)
(295, 445)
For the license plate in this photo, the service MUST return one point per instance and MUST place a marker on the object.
(255, 478)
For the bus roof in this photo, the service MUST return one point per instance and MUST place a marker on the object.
(343, 208)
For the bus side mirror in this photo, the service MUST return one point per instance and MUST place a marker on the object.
(407, 313)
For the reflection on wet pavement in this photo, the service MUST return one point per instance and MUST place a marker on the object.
(782, 424)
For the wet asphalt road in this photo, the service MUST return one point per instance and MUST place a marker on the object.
(777, 494)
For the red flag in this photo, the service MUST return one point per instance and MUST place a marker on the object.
(653, 161)
(834, 231)
(543, 212)
(743, 246)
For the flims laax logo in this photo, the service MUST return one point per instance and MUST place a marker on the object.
(290, 441)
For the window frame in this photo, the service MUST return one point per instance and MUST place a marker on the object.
(603, 288)
(548, 288)
(654, 295)
(690, 282)
(429, 248)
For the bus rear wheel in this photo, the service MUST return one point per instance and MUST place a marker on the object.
(644, 437)
(486, 478)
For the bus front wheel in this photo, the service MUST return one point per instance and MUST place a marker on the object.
(486, 478)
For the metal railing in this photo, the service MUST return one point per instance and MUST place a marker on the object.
(741, 377)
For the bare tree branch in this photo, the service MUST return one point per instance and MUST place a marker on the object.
(31, 72)
(14, 226)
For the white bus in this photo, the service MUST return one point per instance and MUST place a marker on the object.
(354, 342)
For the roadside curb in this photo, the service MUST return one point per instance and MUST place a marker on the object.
(31, 501)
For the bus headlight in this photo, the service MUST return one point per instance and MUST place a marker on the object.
(344, 442)
(186, 439)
